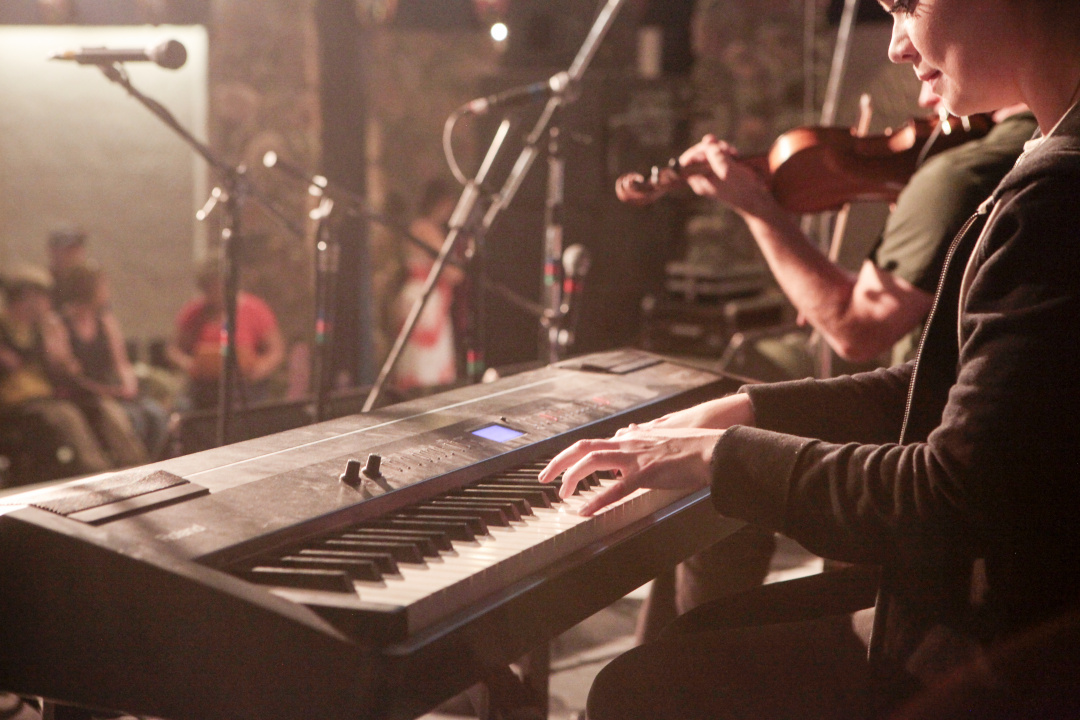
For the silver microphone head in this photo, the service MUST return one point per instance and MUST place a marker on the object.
(576, 261)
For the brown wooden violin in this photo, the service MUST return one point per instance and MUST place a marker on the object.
(818, 169)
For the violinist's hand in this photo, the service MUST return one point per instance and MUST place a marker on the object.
(718, 414)
(731, 181)
(657, 458)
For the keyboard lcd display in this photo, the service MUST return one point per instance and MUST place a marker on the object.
(498, 433)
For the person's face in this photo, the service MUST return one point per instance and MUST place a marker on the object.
(959, 49)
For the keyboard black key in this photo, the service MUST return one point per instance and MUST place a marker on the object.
(550, 491)
(354, 568)
(465, 529)
(523, 504)
(490, 515)
(402, 552)
(424, 542)
(385, 562)
(304, 578)
(508, 510)
(536, 498)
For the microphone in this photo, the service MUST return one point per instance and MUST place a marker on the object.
(576, 262)
(554, 85)
(170, 54)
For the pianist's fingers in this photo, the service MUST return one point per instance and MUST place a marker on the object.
(578, 461)
(672, 458)
(607, 496)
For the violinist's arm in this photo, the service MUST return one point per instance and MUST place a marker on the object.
(861, 315)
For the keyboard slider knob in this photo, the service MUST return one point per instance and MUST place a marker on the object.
(351, 476)
(372, 469)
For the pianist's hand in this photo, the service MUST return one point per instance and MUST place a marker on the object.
(718, 414)
(676, 458)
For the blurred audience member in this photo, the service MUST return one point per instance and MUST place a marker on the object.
(98, 344)
(196, 346)
(428, 359)
(31, 342)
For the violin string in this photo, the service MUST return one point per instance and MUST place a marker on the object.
(925, 152)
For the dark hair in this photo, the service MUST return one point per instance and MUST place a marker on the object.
(66, 238)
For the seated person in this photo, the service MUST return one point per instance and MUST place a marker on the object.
(196, 346)
(861, 315)
(30, 340)
(954, 473)
(106, 373)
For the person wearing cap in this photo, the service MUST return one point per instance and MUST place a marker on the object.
(31, 353)
(66, 250)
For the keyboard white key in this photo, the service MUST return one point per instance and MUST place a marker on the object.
(472, 570)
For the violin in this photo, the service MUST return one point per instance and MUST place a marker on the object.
(820, 169)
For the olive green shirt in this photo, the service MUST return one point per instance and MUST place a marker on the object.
(936, 202)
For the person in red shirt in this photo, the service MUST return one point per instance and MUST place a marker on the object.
(196, 346)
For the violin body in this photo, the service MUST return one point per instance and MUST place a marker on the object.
(819, 169)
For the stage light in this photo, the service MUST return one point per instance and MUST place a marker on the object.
(499, 32)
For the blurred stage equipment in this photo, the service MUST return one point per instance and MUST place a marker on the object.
(467, 221)
(327, 261)
(234, 192)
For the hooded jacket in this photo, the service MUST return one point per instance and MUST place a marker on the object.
(957, 473)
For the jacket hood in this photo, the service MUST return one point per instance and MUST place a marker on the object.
(1057, 156)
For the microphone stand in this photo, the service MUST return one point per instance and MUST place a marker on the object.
(461, 223)
(553, 206)
(327, 262)
(236, 191)
(467, 203)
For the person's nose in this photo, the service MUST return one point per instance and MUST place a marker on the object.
(900, 48)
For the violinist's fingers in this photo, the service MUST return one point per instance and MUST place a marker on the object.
(628, 429)
(695, 154)
(629, 181)
(634, 189)
(719, 157)
(611, 494)
(704, 185)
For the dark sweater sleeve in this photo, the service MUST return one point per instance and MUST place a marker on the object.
(1001, 459)
(867, 407)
